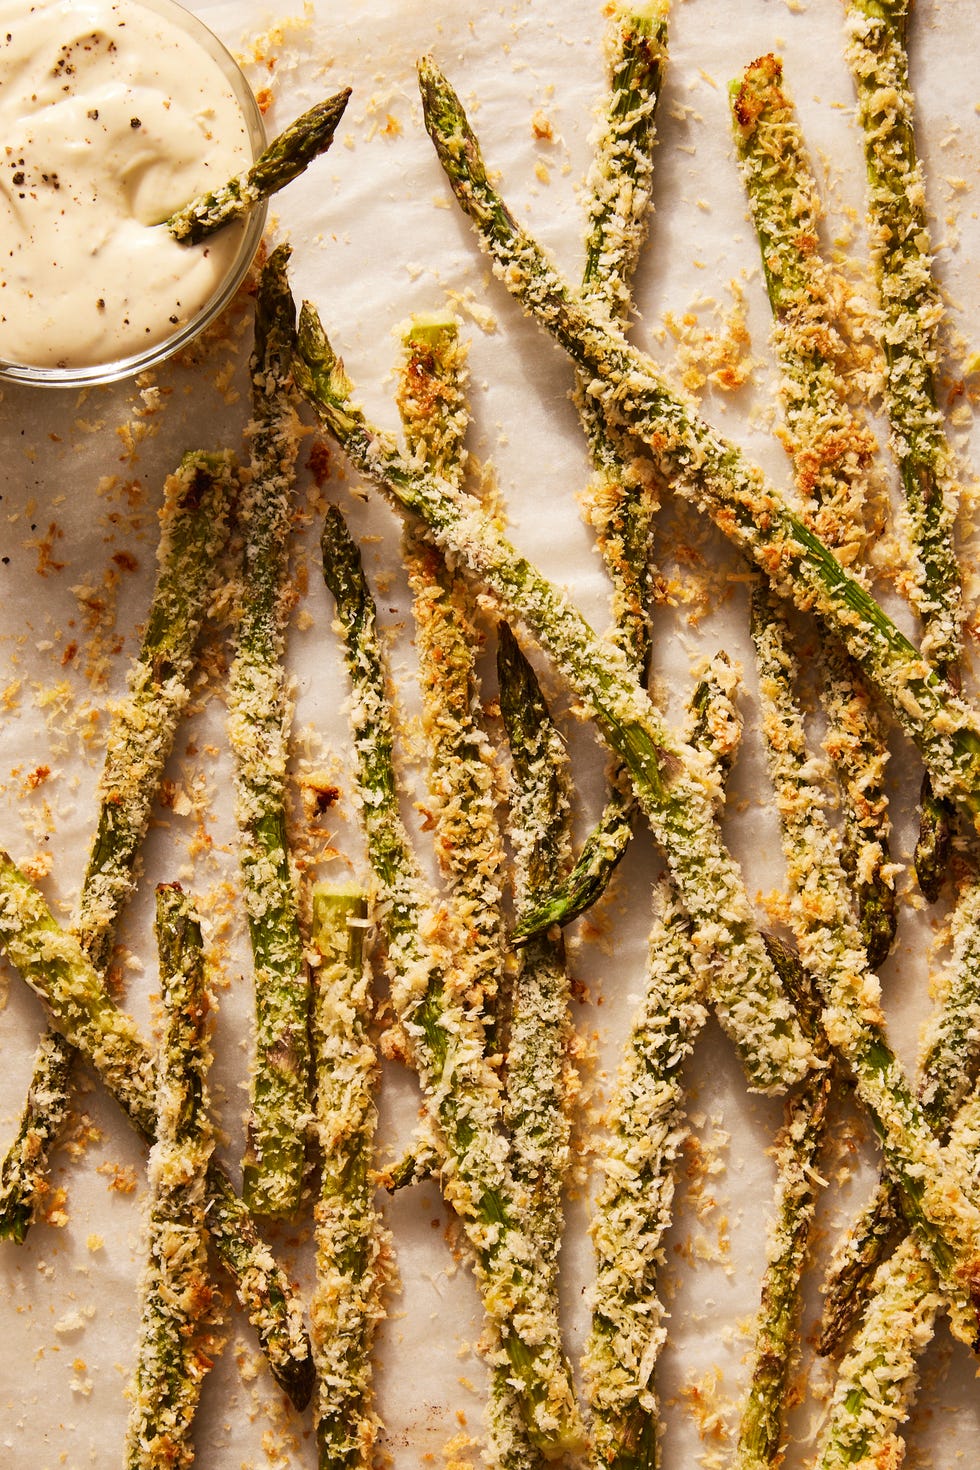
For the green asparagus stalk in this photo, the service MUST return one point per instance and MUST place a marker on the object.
(258, 702)
(351, 1243)
(634, 1205)
(459, 1087)
(198, 503)
(434, 412)
(24, 1172)
(621, 499)
(775, 1346)
(877, 1381)
(797, 1149)
(911, 314)
(667, 777)
(705, 468)
(947, 1070)
(422, 1162)
(858, 752)
(286, 157)
(432, 404)
(911, 311)
(539, 1033)
(175, 1292)
(832, 454)
(195, 524)
(540, 1026)
(588, 880)
(56, 967)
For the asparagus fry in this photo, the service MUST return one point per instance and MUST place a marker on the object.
(536, 1099)
(351, 1243)
(620, 174)
(433, 410)
(705, 468)
(832, 452)
(55, 966)
(634, 1206)
(948, 1069)
(24, 1173)
(286, 157)
(911, 311)
(798, 1145)
(175, 1291)
(258, 718)
(537, 1113)
(199, 500)
(432, 403)
(621, 499)
(195, 524)
(876, 1384)
(666, 775)
(459, 1087)
(911, 316)
(796, 1154)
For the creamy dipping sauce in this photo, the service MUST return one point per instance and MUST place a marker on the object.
(111, 116)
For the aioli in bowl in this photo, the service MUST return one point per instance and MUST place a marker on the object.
(113, 113)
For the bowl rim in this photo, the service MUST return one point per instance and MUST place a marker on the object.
(118, 368)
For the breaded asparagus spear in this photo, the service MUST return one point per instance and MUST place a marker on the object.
(56, 967)
(947, 1070)
(911, 310)
(537, 1054)
(258, 702)
(634, 1205)
(195, 523)
(621, 498)
(539, 1030)
(877, 1381)
(175, 1291)
(667, 776)
(459, 1087)
(431, 400)
(832, 453)
(798, 1145)
(911, 314)
(24, 1172)
(351, 1243)
(705, 468)
(286, 157)
(469, 847)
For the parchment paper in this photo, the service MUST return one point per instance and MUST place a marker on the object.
(375, 237)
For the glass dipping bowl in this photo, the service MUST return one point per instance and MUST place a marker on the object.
(229, 282)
